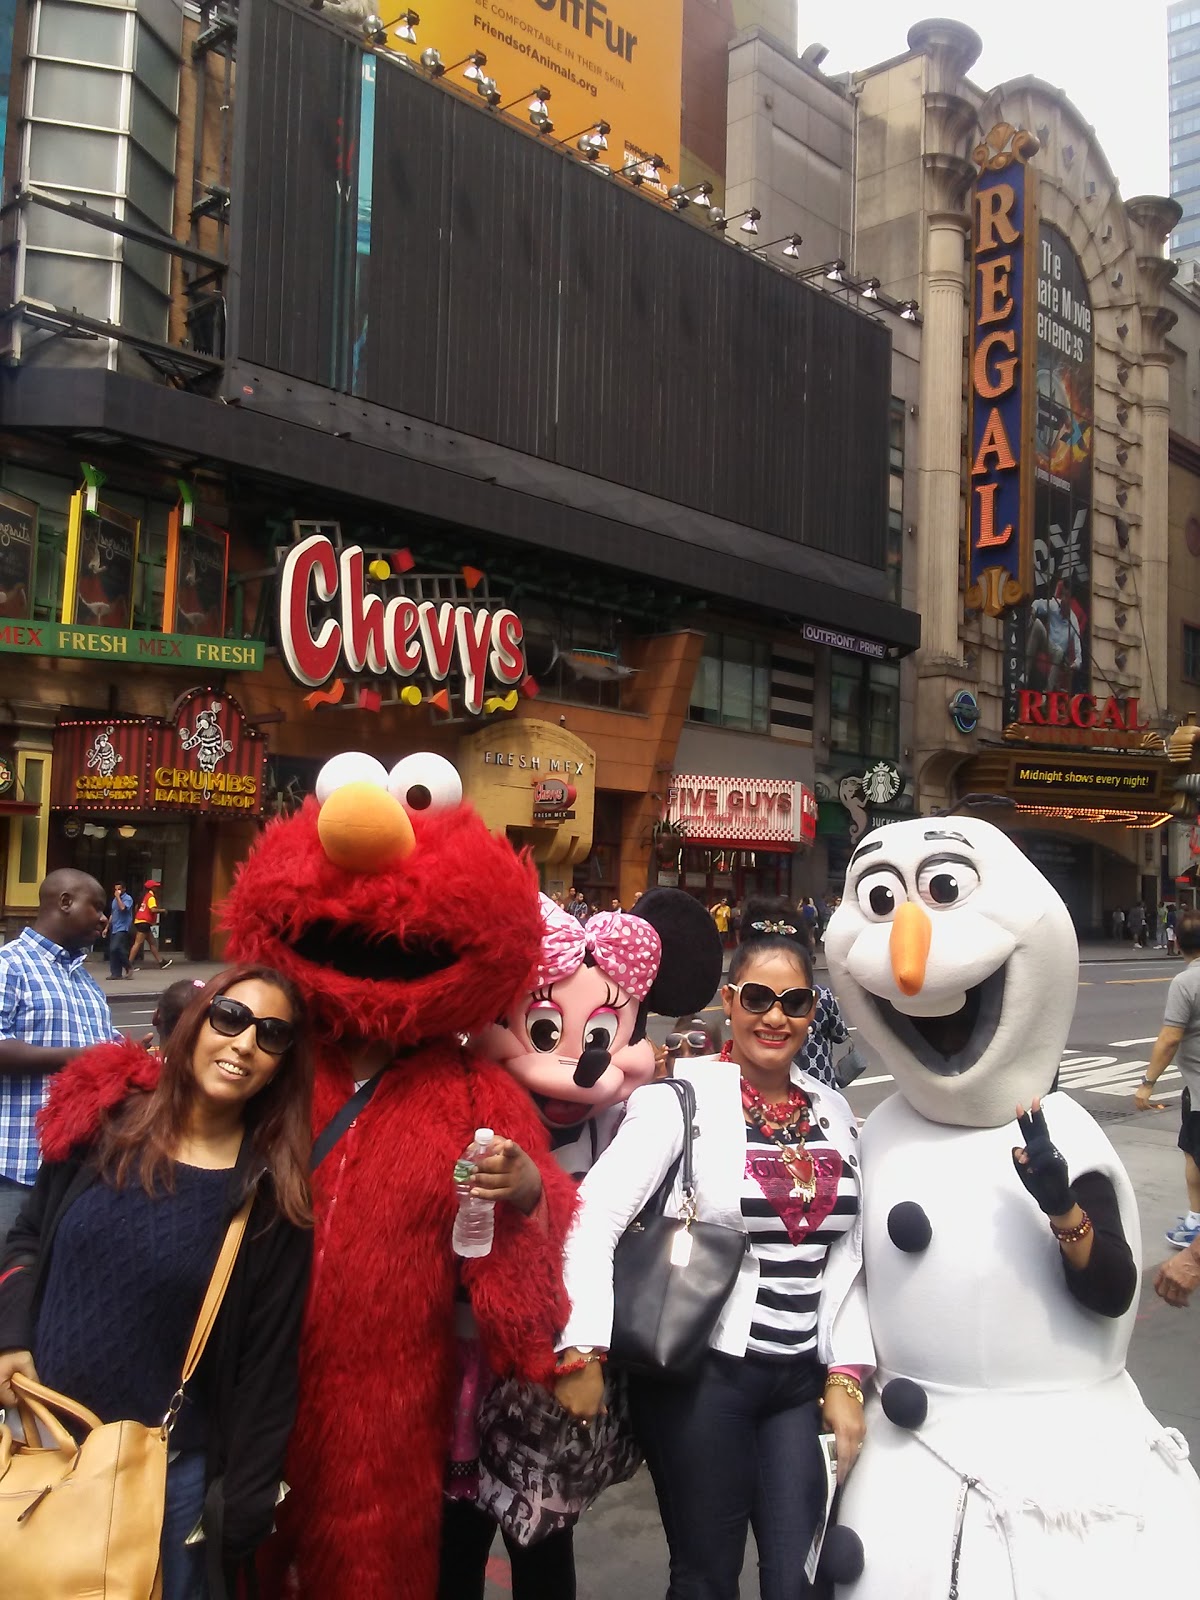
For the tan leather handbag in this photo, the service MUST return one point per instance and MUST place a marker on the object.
(85, 1519)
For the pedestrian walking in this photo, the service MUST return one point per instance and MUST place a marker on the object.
(145, 923)
(1172, 914)
(722, 916)
(1136, 923)
(120, 931)
(146, 1165)
(1118, 924)
(1161, 941)
(1180, 1037)
(51, 1008)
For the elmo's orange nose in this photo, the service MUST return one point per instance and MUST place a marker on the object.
(912, 934)
(364, 829)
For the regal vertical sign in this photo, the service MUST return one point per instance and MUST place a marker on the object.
(1003, 267)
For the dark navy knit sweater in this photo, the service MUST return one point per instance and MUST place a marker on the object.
(126, 1277)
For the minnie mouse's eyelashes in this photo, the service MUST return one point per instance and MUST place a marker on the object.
(425, 783)
(352, 766)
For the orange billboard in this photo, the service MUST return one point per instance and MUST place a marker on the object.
(616, 61)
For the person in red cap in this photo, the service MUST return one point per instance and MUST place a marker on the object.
(145, 919)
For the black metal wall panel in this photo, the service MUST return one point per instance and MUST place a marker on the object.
(501, 288)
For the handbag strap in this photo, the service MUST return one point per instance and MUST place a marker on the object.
(341, 1120)
(682, 1168)
(215, 1292)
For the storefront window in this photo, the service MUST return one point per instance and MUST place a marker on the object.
(30, 866)
(598, 877)
(733, 683)
(864, 707)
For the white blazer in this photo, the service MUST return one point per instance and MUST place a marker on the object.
(647, 1143)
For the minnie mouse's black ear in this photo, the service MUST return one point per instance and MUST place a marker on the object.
(690, 972)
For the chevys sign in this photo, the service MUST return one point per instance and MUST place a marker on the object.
(329, 620)
(999, 531)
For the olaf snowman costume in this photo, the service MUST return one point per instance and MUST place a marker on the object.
(1021, 1463)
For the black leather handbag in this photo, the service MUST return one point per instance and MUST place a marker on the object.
(672, 1275)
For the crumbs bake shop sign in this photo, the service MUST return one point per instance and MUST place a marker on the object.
(203, 758)
(338, 614)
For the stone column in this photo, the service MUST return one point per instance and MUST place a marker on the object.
(1152, 217)
(939, 470)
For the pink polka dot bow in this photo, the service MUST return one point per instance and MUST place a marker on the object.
(625, 948)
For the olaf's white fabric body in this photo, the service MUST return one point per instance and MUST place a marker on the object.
(1077, 1491)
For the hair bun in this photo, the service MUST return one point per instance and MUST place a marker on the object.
(772, 919)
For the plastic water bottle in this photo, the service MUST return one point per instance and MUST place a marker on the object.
(476, 1219)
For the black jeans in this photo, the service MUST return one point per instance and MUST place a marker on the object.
(546, 1571)
(735, 1449)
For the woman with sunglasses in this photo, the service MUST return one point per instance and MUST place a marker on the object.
(691, 1036)
(738, 1446)
(146, 1161)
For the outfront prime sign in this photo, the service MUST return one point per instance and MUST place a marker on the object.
(1003, 334)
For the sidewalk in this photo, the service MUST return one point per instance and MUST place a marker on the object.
(149, 981)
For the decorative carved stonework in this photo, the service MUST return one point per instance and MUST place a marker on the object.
(994, 593)
(1004, 145)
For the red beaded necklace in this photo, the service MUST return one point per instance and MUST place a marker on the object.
(786, 1124)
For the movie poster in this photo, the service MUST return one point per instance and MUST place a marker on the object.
(101, 567)
(18, 554)
(1048, 644)
(197, 576)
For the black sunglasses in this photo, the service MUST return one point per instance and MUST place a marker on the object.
(230, 1017)
(758, 999)
(694, 1041)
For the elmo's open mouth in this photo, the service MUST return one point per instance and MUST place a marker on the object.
(379, 960)
(951, 1044)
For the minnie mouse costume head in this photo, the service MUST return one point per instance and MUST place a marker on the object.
(575, 1035)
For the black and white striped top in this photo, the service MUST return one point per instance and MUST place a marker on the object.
(789, 1243)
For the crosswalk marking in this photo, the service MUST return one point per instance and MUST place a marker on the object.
(1107, 1074)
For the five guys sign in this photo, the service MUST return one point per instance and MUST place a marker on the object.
(999, 520)
(329, 619)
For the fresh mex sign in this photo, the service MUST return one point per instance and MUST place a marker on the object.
(999, 524)
(330, 620)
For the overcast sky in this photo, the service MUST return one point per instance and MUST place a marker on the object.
(1110, 59)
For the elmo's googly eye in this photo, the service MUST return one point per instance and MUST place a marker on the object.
(352, 766)
(425, 783)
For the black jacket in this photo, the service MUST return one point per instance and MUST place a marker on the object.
(248, 1372)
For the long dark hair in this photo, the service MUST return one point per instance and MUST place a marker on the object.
(141, 1134)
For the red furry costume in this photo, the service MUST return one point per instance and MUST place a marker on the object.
(414, 954)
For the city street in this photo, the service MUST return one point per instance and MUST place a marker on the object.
(620, 1547)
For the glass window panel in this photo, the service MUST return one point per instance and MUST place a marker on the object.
(71, 283)
(70, 158)
(1191, 652)
(143, 309)
(737, 695)
(151, 189)
(77, 94)
(706, 691)
(82, 33)
(151, 264)
(156, 66)
(53, 231)
(845, 709)
(153, 127)
(895, 492)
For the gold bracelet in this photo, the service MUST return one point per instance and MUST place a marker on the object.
(843, 1380)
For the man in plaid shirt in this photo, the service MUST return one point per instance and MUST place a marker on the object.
(50, 1010)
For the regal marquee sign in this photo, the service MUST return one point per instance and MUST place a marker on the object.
(1003, 335)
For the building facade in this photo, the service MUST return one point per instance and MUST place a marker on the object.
(345, 409)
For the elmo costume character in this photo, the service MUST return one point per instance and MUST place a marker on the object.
(404, 922)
